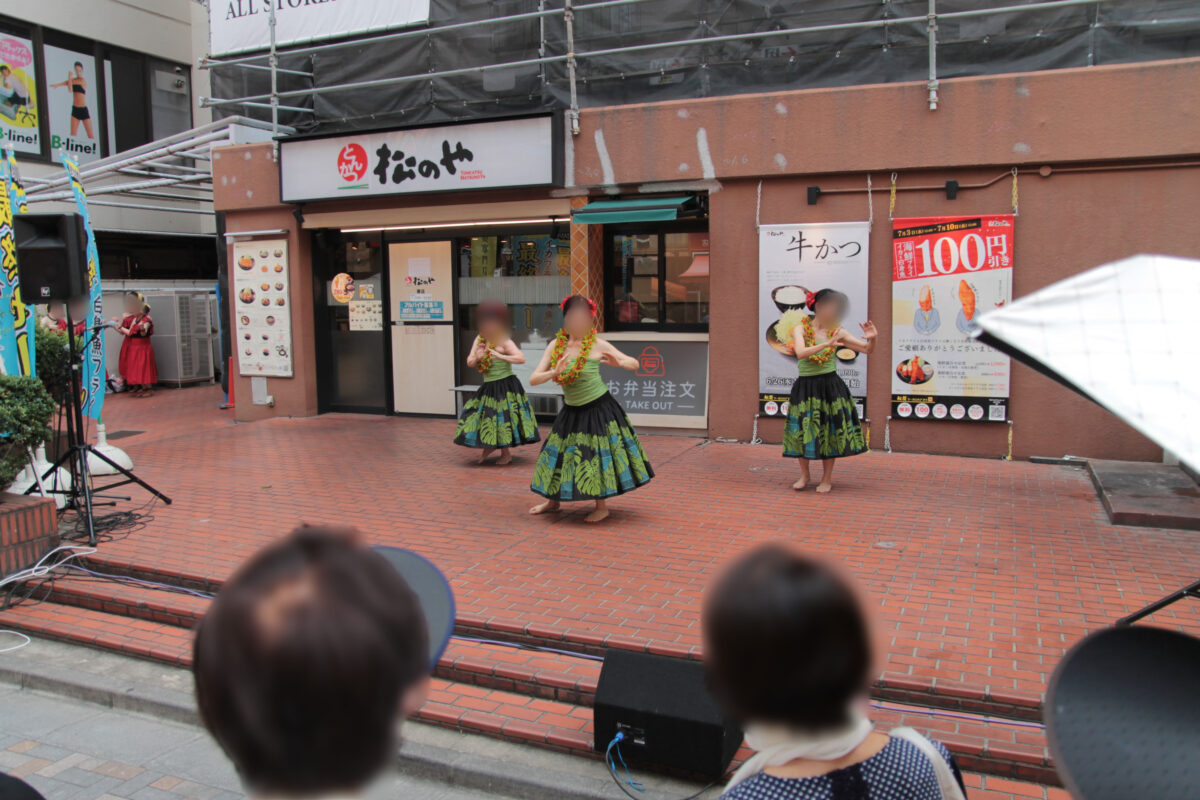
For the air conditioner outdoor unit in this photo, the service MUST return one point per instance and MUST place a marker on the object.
(183, 334)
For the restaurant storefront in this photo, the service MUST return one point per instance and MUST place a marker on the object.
(402, 234)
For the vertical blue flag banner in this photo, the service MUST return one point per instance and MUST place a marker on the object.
(93, 356)
(16, 318)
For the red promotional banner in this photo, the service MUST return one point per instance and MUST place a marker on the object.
(945, 272)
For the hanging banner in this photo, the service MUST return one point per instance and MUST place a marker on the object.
(93, 348)
(16, 319)
(236, 26)
(794, 260)
(946, 271)
(18, 95)
(71, 99)
(262, 324)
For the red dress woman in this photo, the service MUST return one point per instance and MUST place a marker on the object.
(137, 354)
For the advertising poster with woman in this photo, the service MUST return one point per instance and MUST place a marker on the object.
(18, 95)
(946, 271)
(794, 260)
(71, 97)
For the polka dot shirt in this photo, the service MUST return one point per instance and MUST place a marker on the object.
(897, 772)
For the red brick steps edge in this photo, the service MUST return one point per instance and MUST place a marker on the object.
(559, 724)
(934, 693)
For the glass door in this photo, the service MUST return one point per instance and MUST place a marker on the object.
(350, 304)
(421, 278)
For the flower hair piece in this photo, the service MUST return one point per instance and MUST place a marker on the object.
(810, 299)
(591, 303)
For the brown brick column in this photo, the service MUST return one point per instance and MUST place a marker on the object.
(587, 261)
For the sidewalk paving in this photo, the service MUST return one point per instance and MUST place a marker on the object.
(72, 750)
(986, 571)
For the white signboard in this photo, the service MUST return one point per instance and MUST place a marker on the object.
(482, 155)
(236, 26)
(262, 300)
(72, 100)
(792, 261)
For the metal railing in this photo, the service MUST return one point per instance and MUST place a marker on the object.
(572, 57)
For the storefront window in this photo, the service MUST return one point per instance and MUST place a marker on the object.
(531, 272)
(657, 280)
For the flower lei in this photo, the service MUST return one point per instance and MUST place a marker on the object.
(821, 356)
(560, 348)
(485, 362)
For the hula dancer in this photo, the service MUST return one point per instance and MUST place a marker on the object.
(592, 452)
(499, 415)
(822, 421)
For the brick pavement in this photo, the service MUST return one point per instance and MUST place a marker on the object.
(984, 571)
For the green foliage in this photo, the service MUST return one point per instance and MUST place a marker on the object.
(53, 361)
(25, 413)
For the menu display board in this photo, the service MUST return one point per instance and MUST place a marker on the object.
(794, 260)
(945, 272)
(263, 312)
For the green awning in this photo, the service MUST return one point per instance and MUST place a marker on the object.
(641, 209)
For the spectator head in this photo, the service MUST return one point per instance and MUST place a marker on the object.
(785, 641)
(305, 662)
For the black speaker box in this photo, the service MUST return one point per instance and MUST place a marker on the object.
(51, 256)
(663, 708)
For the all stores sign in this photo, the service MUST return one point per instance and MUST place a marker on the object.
(483, 155)
(237, 26)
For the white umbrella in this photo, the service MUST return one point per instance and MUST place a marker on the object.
(1123, 334)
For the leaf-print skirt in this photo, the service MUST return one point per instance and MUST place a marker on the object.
(592, 452)
(498, 415)
(822, 421)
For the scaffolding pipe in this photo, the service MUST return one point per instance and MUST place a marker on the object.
(931, 28)
(573, 112)
(119, 187)
(274, 64)
(136, 206)
(210, 102)
(100, 167)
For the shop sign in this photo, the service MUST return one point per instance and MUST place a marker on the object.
(792, 261)
(18, 95)
(482, 155)
(236, 26)
(72, 93)
(671, 379)
(946, 271)
(263, 313)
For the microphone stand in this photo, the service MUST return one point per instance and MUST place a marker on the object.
(80, 495)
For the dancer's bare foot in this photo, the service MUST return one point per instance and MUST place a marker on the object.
(800, 484)
(544, 508)
(505, 457)
(805, 477)
(824, 488)
(600, 512)
(485, 455)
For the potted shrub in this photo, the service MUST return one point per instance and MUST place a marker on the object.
(25, 413)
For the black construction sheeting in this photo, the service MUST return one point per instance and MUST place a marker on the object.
(1073, 36)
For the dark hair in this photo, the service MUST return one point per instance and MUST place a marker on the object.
(4, 67)
(302, 662)
(492, 311)
(79, 64)
(577, 300)
(828, 294)
(785, 641)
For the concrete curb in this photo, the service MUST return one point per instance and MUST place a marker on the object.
(470, 761)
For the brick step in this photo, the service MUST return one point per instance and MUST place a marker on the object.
(169, 644)
(129, 600)
(896, 684)
(524, 710)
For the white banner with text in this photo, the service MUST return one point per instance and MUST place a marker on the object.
(237, 26)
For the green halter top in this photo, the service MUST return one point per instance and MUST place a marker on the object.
(587, 386)
(500, 370)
